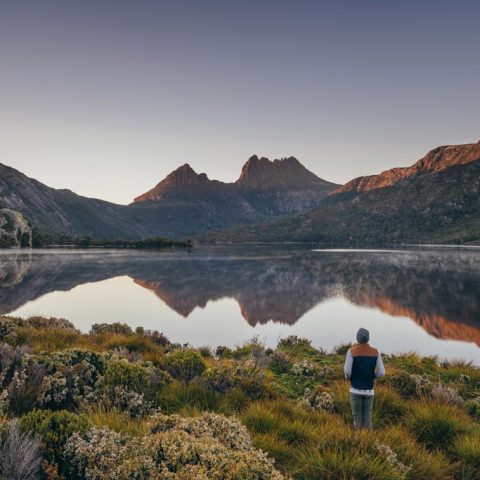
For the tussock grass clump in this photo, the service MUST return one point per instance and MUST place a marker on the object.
(467, 450)
(437, 426)
(113, 419)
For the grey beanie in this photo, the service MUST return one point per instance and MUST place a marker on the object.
(363, 335)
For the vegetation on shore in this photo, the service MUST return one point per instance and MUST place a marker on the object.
(58, 240)
(123, 404)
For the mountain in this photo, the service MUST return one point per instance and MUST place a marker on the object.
(186, 203)
(183, 204)
(435, 200)
(182, 180)
(53, 210)
(284, 174)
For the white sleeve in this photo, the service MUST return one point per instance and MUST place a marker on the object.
(347, 368)
(379, 369)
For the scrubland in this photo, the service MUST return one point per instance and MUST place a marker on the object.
(123, 404)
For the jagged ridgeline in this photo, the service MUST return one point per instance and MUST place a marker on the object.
(182, 205)
(435, 200)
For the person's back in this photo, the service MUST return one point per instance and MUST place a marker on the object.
(363, 364)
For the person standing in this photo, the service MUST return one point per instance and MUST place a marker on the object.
(363, 364)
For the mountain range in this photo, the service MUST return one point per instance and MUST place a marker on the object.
(185, 203)
(435, 200)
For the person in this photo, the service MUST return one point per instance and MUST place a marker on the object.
(363, 364)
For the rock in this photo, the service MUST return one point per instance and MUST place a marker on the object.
(15, 231)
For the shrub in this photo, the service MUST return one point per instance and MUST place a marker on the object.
(19, 454)
(280, 361)
(317, 399)
(131, 376)
(404, 383)
(210, 446)
(443, 394)
(220, 378)
(342, 349)
(223, 352)
(116, 327)
(473, 408)
(158, 338)
(184, 365)
(205, 351)
(70, 376)
(437, 426)
(24, 388)
(296, 345)
(305, 369)
(54, 429)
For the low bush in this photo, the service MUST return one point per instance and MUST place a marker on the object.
(131, 376)
(301, 347)
(403, 383)
(184, 365)
(116, 327)
(54, 429)
(211, 446)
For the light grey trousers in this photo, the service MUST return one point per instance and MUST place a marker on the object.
(362, 406)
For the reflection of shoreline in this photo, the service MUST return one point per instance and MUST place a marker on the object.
(437, 290)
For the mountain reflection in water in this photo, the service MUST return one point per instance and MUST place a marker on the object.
(437, 288)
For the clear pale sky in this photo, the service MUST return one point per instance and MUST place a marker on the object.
(106, 97)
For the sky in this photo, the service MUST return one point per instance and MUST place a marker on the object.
(106, 97)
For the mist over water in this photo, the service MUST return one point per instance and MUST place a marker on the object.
(411, 299)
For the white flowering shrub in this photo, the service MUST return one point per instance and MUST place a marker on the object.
(318, 399)
(124, 400)
(423, 384)
(65, 378)
(305, 369)
(391, 458)
(207, 447)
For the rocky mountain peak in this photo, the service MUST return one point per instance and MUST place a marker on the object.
(183, 177)
(287, 173)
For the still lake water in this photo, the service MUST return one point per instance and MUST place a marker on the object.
(413, 299)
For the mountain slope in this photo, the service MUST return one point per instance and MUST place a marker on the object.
(437, 160)
(436, 200)
(50, 209)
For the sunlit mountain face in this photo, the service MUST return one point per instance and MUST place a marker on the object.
(436, 288)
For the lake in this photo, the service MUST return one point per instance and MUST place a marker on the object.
(419, 299)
